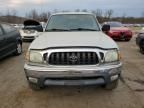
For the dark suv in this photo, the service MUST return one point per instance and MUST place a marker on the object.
(10, 40)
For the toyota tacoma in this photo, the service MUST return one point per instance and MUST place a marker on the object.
(73, 50)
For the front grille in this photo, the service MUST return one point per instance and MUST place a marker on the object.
(122, 33)
(73, 58)
(29, 37)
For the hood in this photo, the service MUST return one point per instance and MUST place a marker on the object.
(119, 29)
(70, 39)
(31, 23)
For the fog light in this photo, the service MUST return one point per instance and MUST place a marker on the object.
(114, 77)
(33, 80)
(113, 71)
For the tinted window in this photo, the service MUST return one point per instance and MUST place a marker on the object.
(8, 28)
(115, 24)
(1, 32)
(72, 21)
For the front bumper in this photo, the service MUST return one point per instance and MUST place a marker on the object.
(73, 75)
(119, 36)
(31, 37)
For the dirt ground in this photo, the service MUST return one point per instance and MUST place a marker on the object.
(15, 93)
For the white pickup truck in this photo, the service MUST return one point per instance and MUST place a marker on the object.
(73, 50)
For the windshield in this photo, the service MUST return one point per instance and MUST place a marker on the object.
(30, 27)
(115, 24)
(37, 28)
(72, 22)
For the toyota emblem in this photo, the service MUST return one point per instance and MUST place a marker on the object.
(73, 58)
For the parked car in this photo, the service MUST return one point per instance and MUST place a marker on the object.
(73, 51)
(31, 30)
(118, 31)
(10, 40)
(18, 26)
(140, 40)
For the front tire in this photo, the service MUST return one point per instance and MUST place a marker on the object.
(142, 50)
(141, 47)
(127, 39)
(18, 49)
(112, 85)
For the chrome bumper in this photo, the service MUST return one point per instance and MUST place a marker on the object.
(73, 75)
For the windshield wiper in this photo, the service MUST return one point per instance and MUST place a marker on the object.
(83, 29)
(55, 29)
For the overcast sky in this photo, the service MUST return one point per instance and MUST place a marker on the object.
(120, 7)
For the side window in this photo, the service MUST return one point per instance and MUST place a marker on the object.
(8, 28)
(1, 32)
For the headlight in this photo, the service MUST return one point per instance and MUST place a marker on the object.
(112, 56)
(110, 31)
(34, 56)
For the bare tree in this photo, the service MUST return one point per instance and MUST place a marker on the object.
(99, 12)
(84, 10)
(65, 10)
(77, 10)
(143, 14)
(8, 12)
(13, 15)
(55, 10)
(48, 14)
(123, 17)
(43, 16)
(33, 14)
(8, 15)
(108, 13)
(13, 12)
(1, 13)
(26, 15)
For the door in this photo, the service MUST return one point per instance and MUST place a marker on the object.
(10, 36)
(2, 43)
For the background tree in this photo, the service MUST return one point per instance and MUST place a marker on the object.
(143, 14)
(77, 10)
(108, 13)
(33, 14)
(99, 14)
(84, 10)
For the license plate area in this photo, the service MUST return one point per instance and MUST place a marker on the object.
(74, 82)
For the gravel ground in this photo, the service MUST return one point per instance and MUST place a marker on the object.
(15, 93)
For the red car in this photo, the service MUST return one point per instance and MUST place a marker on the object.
(118, 31)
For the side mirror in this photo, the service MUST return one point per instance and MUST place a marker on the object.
(39, 28)
(106, 28)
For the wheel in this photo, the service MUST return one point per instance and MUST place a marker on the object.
(142, 50)
(112, 85)
(127, 39)
(35, 87)
(18, 48)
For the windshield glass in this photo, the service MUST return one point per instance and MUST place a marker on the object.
(37, 28)
(30, 27)
(115, 24)
(72, 22)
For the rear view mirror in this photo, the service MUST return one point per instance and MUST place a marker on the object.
(106, 28)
